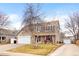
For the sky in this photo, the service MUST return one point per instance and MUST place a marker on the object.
(51, 11)
(15, 12)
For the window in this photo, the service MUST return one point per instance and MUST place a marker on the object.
(35, 29)
(39, 28)
(3, 38)
(37, 38)
(14, 41)
(49, 28)
(42, 28)
(53, 28)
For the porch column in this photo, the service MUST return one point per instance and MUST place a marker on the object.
(40, 39)
(57, 38)
(33, 39)
(53, 38)
(45, 40)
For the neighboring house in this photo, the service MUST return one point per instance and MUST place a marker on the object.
(68, 39)
(42, 32)
(7, 36)
(62, 36)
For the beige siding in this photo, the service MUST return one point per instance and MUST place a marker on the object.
(43, 29)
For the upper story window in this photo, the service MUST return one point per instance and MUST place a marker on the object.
(47, 28)
(53, 28)
(42, 28)
(39, 29)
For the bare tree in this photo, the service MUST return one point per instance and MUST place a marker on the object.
(3, 19)
(32, 15)
(76, 16)
(73, 25)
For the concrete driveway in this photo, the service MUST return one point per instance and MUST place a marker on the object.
(66, 50)
(5, 47)
(8, 46)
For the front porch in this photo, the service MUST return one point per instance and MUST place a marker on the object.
(4, 40)
(45, 39)
(7, 39)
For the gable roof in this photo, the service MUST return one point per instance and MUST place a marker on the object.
(25, 28)
(7, 32)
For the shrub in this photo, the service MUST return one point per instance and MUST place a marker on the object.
(77, 42)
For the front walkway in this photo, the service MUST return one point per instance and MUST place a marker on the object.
(66, 50)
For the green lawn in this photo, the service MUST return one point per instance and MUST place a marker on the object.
(42, 49)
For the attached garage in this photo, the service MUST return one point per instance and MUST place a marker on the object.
(24, 39)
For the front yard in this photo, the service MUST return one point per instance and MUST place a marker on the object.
(42, 49)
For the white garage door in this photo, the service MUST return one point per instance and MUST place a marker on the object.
(66, 41)
(24, 39)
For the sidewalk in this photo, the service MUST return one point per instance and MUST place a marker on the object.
(5, 53)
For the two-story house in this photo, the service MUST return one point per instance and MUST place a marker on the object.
(45, 32)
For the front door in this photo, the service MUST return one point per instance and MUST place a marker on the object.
(15, 42)
(49, 38)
